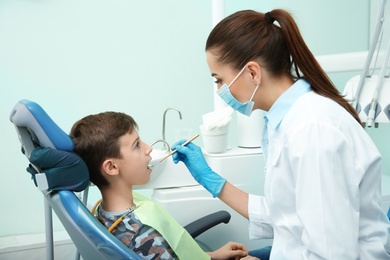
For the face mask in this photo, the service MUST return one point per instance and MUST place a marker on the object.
(226, 95)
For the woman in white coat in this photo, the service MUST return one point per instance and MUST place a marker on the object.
(323, 172)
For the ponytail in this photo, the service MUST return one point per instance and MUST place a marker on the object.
(248, 35)
(305, 62)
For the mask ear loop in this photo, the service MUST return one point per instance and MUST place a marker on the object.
(254, 92)
(237, 76)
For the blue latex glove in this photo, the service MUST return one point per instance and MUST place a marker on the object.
(191, 155)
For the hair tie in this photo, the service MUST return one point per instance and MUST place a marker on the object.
(269, 18)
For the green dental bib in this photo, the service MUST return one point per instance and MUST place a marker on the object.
(154, 215)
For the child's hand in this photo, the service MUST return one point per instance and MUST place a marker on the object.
(248, 257)
(230, 250)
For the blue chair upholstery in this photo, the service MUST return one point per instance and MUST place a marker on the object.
(31, 122)
(36, 129)
(92, 240)
(58, 173)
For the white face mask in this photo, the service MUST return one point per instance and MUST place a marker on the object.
(226, 95)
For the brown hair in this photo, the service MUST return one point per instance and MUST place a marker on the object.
(96, 137)
(248, 35)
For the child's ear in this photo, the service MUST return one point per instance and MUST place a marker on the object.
(109, 167)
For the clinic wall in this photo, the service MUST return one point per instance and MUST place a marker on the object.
(139, 57)
(81, 57)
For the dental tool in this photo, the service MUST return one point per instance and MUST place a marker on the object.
(374, 106)
(174, 151)
(374, 44)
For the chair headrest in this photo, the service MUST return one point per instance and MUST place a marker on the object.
(49, 149)
(62, 170)
(36, 128)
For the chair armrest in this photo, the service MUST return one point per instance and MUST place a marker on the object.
(203, 224)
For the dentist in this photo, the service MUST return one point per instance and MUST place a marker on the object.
(323, 172)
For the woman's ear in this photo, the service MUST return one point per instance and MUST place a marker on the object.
(255, 71)
(109, 167)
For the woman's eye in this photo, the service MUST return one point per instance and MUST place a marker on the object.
(217, 81)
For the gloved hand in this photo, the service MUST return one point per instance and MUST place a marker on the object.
(191, 155)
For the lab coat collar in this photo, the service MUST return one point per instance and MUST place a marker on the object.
(283, 104)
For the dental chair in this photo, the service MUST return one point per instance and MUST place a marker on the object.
(63, 173)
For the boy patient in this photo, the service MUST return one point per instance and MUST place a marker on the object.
(117, 160)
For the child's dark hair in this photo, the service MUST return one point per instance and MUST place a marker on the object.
(96, 137)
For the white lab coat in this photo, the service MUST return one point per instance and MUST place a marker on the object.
(322, 187)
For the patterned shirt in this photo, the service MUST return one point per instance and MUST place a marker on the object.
(144, 240)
